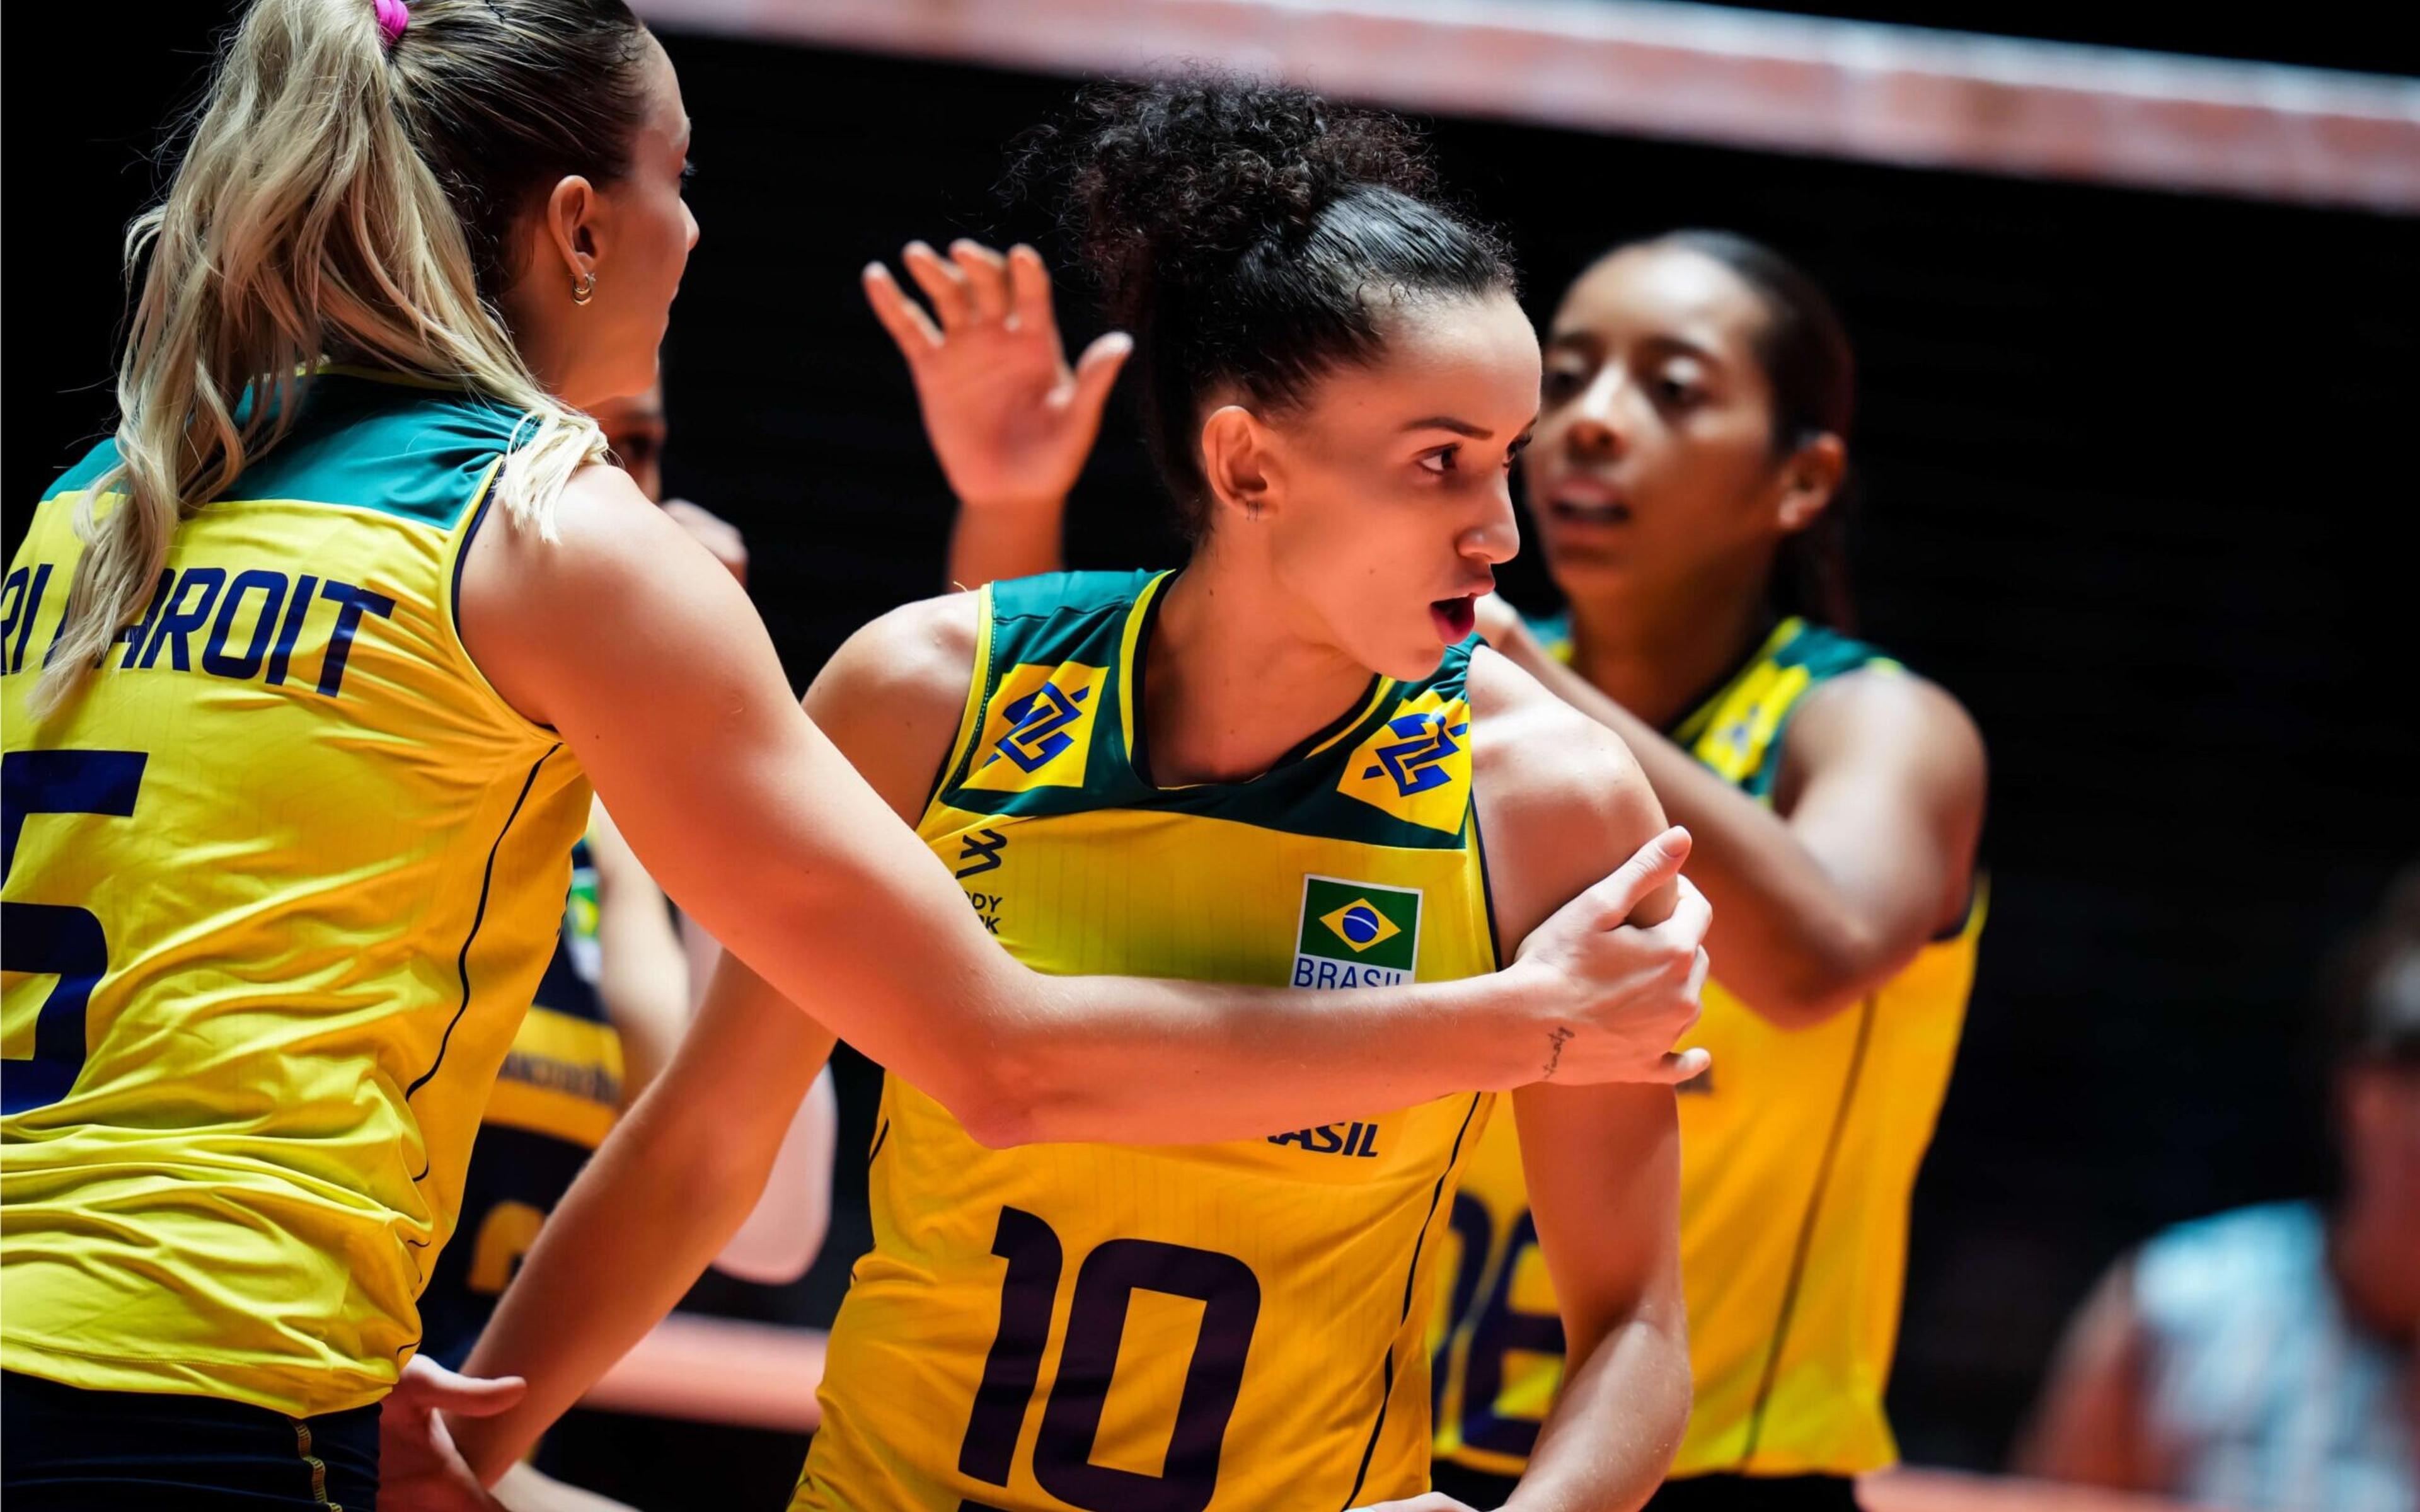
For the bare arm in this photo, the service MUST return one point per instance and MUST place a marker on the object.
(1868, 852)
(2088, 1427)
(645, 980)
(661, 1198)
(778, 1239)
(524, 1487)
(642, 975)
(1559, 797)
(745, 813)
(753, 818)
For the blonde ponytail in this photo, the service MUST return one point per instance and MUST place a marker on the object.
(307, 222)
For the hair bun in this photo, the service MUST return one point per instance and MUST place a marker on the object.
(1173, 179)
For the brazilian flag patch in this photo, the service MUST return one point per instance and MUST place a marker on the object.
(1356, 933)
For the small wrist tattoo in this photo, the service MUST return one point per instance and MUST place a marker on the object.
(1555, 1056)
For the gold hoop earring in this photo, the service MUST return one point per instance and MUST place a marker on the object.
(585, 289)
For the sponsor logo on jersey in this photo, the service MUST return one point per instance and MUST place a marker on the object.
(1356, 933)
(1039, 732)
(979, 852)
(1359, 1140)
(1416, 764)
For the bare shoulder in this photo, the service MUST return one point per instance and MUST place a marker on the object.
(891, 697)
(916, 656)
(1562, 800)
(1907, 725)
(1537, 761)
(530, 600)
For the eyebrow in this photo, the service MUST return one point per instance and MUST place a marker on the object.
(1565, 340)
(1460, 427)
(1682, 344)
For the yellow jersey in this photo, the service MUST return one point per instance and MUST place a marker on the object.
(280, 882)
(1799, 1152)
(555, 1100)
(1170, 1329)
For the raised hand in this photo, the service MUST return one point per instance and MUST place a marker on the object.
(1011, 421)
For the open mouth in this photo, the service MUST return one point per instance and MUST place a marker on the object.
(1589, 512)
(1454, 618)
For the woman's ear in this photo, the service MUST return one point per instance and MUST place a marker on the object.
(574, 213)
(1809, 481)
(1235, 461)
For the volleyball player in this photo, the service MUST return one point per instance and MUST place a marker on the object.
(1692, 439)
(1691, 447)
(1284, 763)
(296, 753)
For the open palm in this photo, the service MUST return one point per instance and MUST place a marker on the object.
(1010, 420)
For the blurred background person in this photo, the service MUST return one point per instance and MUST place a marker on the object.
(2268, 1358)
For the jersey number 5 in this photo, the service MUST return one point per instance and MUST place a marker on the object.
(1230, 1295)
(57, 939)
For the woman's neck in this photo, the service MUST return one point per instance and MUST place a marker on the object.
(1655, 652)
(1234, 682)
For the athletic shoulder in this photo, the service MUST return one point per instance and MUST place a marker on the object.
(917, 655)
(1880, 709)
(1562, 800)
(1537, 760)
(529, 600)
(892, 696)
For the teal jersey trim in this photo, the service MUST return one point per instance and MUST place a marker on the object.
(1759, 715)
(1083, 618)
(397, 448)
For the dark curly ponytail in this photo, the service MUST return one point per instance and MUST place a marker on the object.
(1252, 234)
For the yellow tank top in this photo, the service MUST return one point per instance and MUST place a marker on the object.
(279, 884)
(1799, 1152)
(554, 1102)
(1123, 1329)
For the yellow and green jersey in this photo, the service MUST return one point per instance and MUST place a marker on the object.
(554, 1102)
(1167, 1329)
(280, 882)
(1798, 1151)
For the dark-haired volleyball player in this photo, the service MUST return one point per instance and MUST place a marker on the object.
(308, 670)
(1690, 444)
(1287, 762)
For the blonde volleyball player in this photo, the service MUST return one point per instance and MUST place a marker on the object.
(1692, 436)
(296, 753)
(1287, 762)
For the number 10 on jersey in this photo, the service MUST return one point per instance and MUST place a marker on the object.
(1106, 1283)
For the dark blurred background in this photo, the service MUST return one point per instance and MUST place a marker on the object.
(2133, 468)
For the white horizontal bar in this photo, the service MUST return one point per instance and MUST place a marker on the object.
(1863, 90)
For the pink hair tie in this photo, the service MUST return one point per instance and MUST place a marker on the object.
(392, 17)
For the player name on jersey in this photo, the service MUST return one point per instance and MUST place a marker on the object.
(236, 624)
